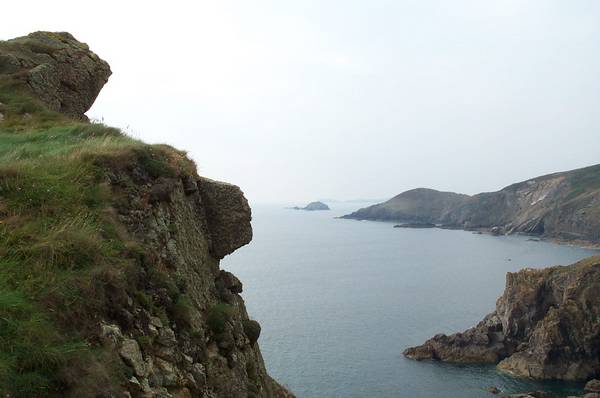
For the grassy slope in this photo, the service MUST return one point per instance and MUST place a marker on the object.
(61, 250)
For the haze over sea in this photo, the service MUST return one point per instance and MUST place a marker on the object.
(339, 300)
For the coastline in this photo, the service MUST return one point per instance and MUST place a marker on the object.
(579, 243)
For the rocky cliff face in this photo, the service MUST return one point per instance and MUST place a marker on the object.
(110, 283)
(186, 331)
(546, 326)
(564, 206)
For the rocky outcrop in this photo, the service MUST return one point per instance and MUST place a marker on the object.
(59, 70)
(191, 320)
(228, 216)
(546, 326)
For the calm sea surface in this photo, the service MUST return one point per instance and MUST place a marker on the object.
(339, 300)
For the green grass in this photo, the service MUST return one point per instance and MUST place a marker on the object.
(583, 181)
(61, 255)
(218, 317)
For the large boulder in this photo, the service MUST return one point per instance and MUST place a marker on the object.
(228, 216)
(59, 70)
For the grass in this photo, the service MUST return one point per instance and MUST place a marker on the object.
(62, 259)
(218, 316)
(584, 181)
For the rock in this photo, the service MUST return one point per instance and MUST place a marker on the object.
(228, 216)
(189, 185)
(545, 326)
(156, 322)
(312, 206)
(496, 231)
(167, 373)
(494, 390)
(199, 374)
(132, 355)
(166, 337)
(591, 395)
(533, 394)
(61, 72)
(161, 190)
(230, 282)
(1, 117)
(110, 335)
(592, 386)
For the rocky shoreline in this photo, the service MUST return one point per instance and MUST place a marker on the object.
(546, 325)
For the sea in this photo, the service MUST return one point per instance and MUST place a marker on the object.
(339, 300)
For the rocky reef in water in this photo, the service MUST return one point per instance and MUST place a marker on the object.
(546, 325)
(563, 206)
(110, 283)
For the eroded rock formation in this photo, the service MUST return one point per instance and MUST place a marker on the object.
(546, 326)
(62, 72)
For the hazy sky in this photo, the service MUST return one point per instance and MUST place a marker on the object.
(299, 100)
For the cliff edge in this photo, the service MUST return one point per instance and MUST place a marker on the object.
(109, 249)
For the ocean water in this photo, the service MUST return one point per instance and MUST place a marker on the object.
(339, 300)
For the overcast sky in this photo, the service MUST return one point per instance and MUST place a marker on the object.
(300, 100)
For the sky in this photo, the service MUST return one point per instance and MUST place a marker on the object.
(301, 100)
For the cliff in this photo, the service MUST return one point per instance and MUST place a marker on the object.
(546, 326)
(563, 206)
(109, 249)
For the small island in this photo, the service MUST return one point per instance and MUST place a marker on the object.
(313, 206)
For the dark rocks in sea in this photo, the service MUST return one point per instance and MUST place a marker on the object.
(416, 225)
(546, 326)
(532, 394)
(312, 206)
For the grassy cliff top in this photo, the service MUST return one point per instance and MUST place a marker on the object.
(61, 248)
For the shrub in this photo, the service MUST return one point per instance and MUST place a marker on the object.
(251, 329)
(218, 317)
(183, 311)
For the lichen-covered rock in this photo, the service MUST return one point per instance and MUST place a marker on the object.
(60, 71)
(228, 216)
(546, 326)
(132, 355)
